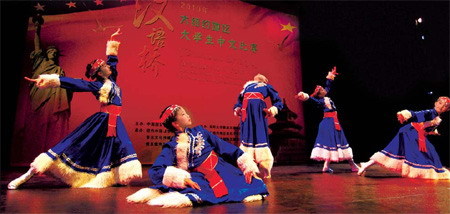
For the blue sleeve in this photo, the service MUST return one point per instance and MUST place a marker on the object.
(239, 101)
(165, 158)
(328, 84)
(79, 85)
(320, 103)
(274, 98)
(422, 116)
(112, 62)
(227, 151)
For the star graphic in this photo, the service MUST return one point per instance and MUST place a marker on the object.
(71, 4)
(39, 7)
(98, 2)
(288, 27)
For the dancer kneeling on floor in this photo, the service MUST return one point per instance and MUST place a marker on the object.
(197, 167)
(98, 153)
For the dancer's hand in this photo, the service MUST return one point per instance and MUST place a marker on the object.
(332, 74)
(237, 112)
(37, 81)
(249, 175)
(191, 183)
(401, 118)
(115, 34)
(302, 96)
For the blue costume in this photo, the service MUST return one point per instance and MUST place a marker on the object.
(210, 162)
(331, 144)
(98, 153)
(253, 125)
(403, 154)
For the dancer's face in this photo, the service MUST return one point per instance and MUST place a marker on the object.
(183, 119)
(322, 92)
(441, 106)
(105, 70)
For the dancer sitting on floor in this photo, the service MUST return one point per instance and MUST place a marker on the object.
(197, 167)
(331, 144)
(98, 153)
(410, 152)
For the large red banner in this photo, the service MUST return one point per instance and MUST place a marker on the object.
(197, 54)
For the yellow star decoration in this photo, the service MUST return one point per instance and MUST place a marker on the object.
(71, 4)
(39, 7)
(288, 27)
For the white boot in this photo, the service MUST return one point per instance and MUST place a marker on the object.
(14, 184)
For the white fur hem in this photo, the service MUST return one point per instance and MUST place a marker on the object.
(321, 154)
(174, 177)
(112, 47)
(402, 166)
(182, 150)
(171, 199)
(246, 164)
(48, 81)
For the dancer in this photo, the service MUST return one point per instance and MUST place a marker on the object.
(410, 152)
(331, 144)
(197, 167)
(98, 153)
(253, 125)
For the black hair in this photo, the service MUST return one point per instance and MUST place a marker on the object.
(92, 74)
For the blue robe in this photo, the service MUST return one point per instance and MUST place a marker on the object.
(254, 130)
(201, 144)
(331, 144)
(87, 149)
(402, 154)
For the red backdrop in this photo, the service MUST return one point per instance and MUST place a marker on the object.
(195, 54)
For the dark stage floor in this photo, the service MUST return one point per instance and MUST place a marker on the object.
(293, 189)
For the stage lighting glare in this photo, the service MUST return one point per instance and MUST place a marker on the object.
(423, 37)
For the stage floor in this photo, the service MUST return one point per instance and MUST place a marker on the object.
(293, 189)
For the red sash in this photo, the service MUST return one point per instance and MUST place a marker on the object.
(215, 181)
(247, 96)
(333, 114)
(113, 111)
(421, 136)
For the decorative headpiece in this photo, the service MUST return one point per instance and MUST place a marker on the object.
(168, 112)
(446, 99)
(94, 66)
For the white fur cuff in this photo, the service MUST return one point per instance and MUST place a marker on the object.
(246, 163)
(405, 113)
(48, 81)
(112, 47)
(174, 177)
(273, 111)
(331, 76)
(435, 122)
(302, 96)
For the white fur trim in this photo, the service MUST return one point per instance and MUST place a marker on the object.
(132, 169)
(327, 102)
(273, 111)
(302, 96)
(112, 47)
(252, 198)
(247, 84)
(237, 111)
(406, 114)
(174, 177)
(41, 163)
(263, 157)
(182, 150)
(400, 165)
(48, 81)
(171, 199)
(104, 92)
(321, 154)
(143, 195)
(246, 163)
